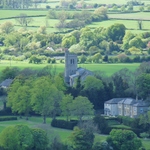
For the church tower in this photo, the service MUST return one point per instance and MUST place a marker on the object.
(70, 65)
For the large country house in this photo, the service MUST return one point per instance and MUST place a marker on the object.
(125, 107)
(72, 72)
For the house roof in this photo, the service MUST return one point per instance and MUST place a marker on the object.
(128, 101)
(141, 103)
(114, 101)
(6, 83)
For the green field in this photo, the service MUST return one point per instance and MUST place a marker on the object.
(139, 15)
(13, 13)
(128, 19)
(131, 25)
(109, 69)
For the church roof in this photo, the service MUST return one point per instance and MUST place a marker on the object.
(6, 83)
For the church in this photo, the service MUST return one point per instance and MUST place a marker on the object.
(72, 71)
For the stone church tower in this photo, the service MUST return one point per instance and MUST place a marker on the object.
(70, 65)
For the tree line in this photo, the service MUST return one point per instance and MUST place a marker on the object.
(29, 85)
(112, 44)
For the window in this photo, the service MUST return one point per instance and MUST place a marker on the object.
(141, 110)
(134, 110)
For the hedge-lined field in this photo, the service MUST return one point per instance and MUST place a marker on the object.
(14, 13)
(131, 25)
(109, 69)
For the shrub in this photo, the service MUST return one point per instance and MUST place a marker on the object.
(64, 124)
(8, 118)
(101, 123)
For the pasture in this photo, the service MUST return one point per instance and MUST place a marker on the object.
(36, 122)
(131, 25)
(39, 19)
(109, 69)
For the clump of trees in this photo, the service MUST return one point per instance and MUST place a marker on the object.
(95, 46)
(22, 137)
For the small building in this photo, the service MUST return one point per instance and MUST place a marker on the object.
(6, 83)
(125, 107)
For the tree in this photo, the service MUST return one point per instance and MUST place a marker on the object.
(68, 42)
(7, 27)
(19, 97)
(124, 140)
(127, 37)
(81, 140)
(97, 57)
(62, 20)
(133, 50)
(40, 139)
(87, 38)
(120, 85)
(141, 8)
(116, 31)
(92, 87)
(101, 123)
(102, 146)
(66, 105)
(9, 73)
(144, 85)
(81, 107)
(101, 11)
(23, 19)
(83, 59)
(140, 24)
(123, 8)
(45, 98)
(137, 42)
(18, 137)
(42, 30)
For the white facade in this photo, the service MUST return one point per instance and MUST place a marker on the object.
(125, 107)
(111, 109)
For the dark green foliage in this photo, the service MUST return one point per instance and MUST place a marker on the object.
(17, 137)
(8, 118)
(144, 85)
(131, 122)
(40, 139)
(116, 32)
(21, 137)
(81, 139)
(124, 140)
(64, 124)
(53, 61)
(9, 73)
(101, 123)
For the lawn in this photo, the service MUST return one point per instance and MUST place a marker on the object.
(109, 69)
(35, 122)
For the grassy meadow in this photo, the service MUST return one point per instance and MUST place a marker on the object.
(109, 69)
